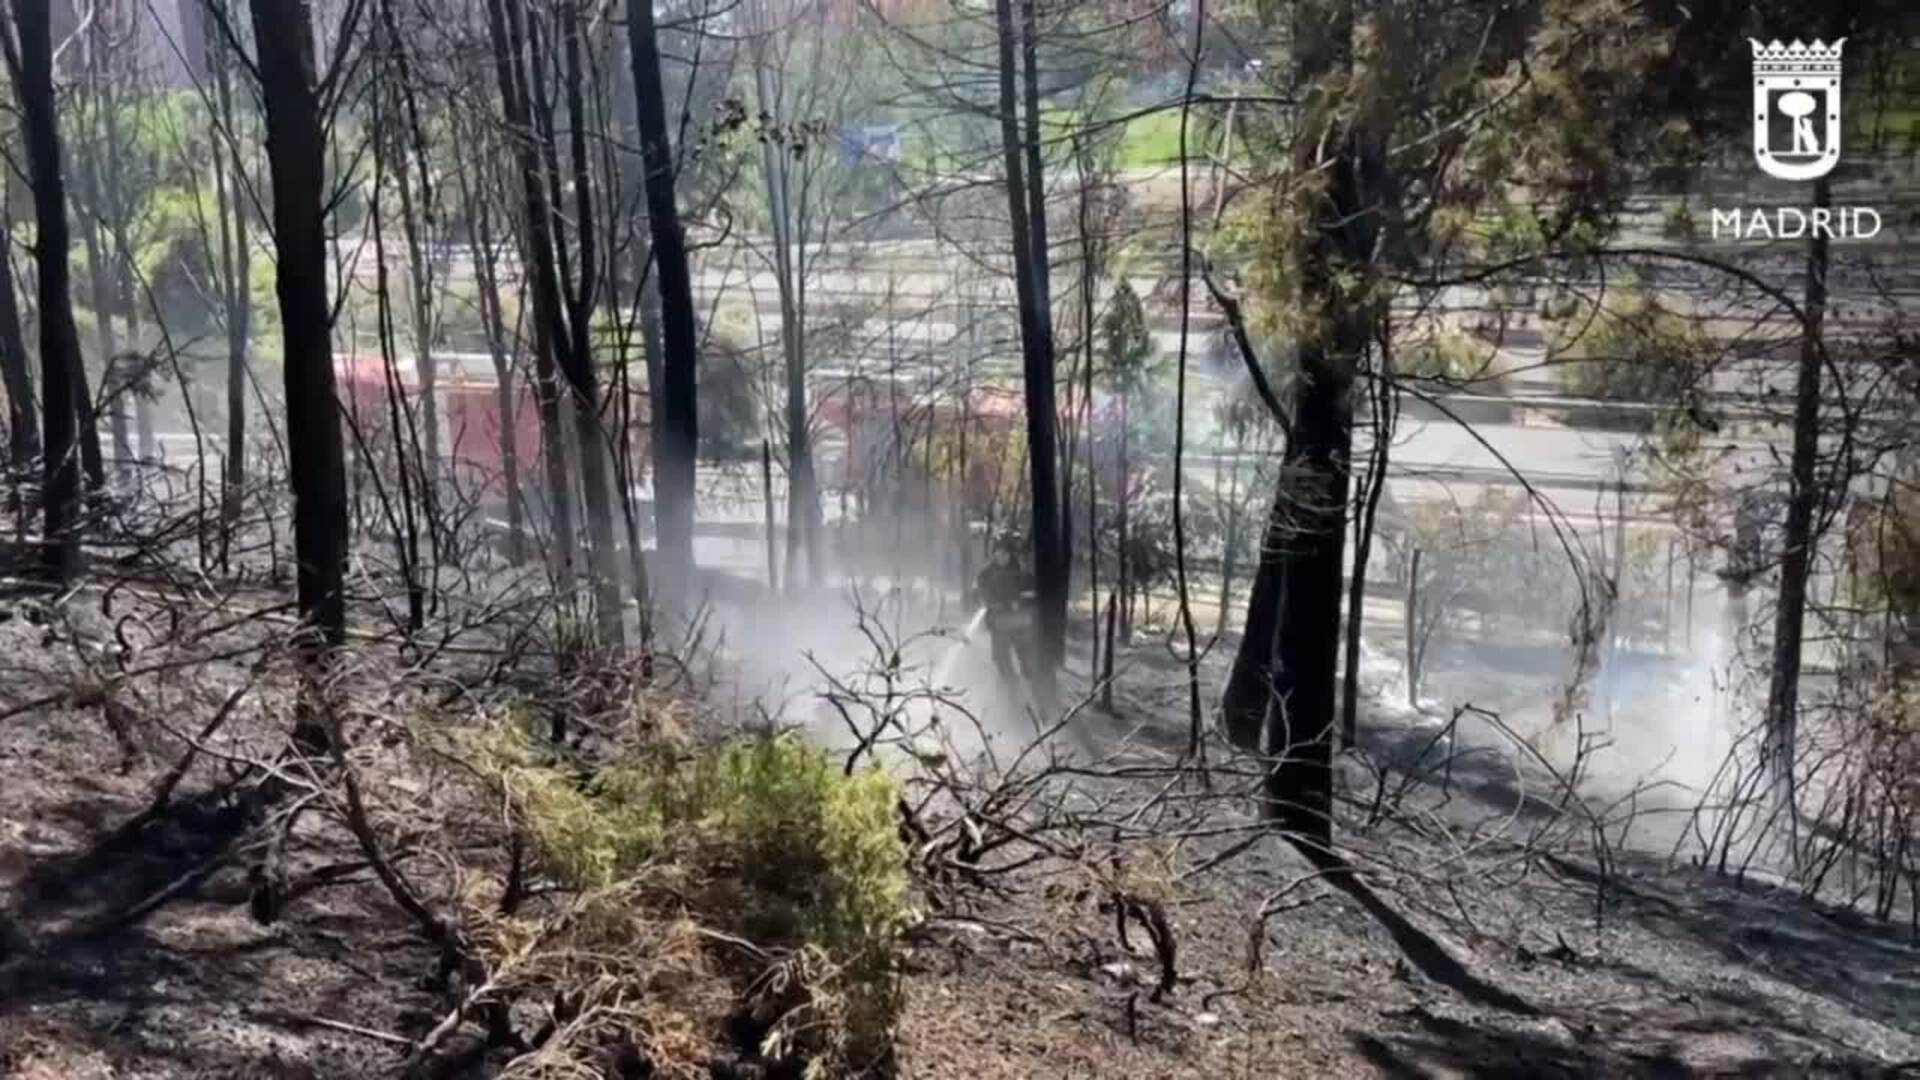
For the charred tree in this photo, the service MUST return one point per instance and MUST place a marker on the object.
(1385, 407)
(1796, 557)
(479, 217)
(31, 62)
(677, 436)
(1243, 707)
(1037, 363)
(236, 280)
(413, 181)
(1294, 614)
(1039, 253)
(595, 446)
(537, 253)
(23, 426)
(296, 164)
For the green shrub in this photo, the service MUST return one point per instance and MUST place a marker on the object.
(764, 837)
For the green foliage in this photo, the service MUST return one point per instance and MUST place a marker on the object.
(1150, 140)
(1507, 135)
(1513, 232)
(1629, 347)
(767, 836)
(815, 851)
(1447, 357)
(1153, 140)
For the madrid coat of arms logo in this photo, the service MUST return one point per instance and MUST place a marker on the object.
(1796, 108)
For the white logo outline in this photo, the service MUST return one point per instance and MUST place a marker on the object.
(1810, 77)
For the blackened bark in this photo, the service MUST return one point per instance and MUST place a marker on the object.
(23, 425)
(59, 337)
(113, 188)
(653, 339)
(296, 162)
(420, 268)
(1796, 557)
(1415, 633)
(1383, 417)
(679, 434)
(1089, 338)
(1304, 582)
(1036, 347)
(236, 257)
(92, 463)
(1123, 551)
(1243, 707)
(1036, 175)
(1303, 681)
(595, 446)
(537, 253)
(108, 346)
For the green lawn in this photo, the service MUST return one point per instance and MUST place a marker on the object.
(1152, 140)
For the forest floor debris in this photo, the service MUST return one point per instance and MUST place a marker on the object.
(148, 959)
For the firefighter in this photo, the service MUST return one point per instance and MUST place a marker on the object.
(1007, 591)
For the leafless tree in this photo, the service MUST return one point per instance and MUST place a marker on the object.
(63, 381)
(291, 83)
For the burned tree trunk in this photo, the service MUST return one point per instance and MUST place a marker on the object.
(537, 253)
(678, 435)
(1796, 557)
(236, 280)
(1038, 254)
(1243, 707)
(60, 374)
(417, 214)
(23, 427)
(1370, 492)
(479, 218)
(595, 447)
(1303, 678)
(96, 236)
(1303, 581)
(296, 161)
(1036, 348)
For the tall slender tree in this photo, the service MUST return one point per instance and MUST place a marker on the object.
(477, 208)
(31, 63)
(536, 248)
(236, 278)
(23, 425)
(1037, 359)
(1796, 557)
(1341, 223)
(803, 500)
(296, 162)
(677, 436)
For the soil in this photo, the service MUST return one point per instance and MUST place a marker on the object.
(137, 954)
